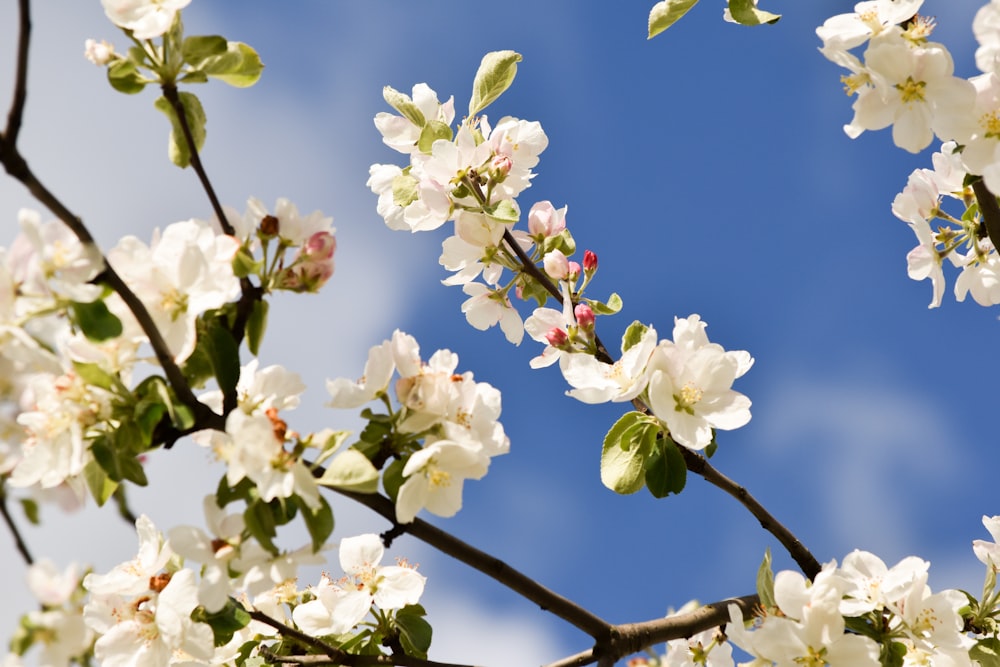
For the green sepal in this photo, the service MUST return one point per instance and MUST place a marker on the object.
(124, 76)
(239, 66)
(225, 622)
(245, 265)
(496, 73)
(745, 12)
(30, 508)
(626, 446)
(257, 325)
(147, 414)
(633, 335)
(405, 190)
(986, 652)
(351, 471)
(664, 14)
(402, 103)
(666, 471)
(563, 242)
(613, 305)
(765, 582)
(178, 149)
(414, 630)
(433, 131)
(392, 478)
(710, 450)
(319, 521)
(101, 486)
(532, 289)
(95, 320)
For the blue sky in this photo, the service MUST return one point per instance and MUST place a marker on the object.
(709, 171)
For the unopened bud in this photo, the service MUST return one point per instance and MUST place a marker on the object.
(546, 220)
(589, 261)
(99, 53)
(557, 338)
(574, 270)
(584, 316)
(499, 168)
(320, 245)
(556, 265)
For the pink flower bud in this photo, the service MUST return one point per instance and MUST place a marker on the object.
(500, 166)
(320, 245)
(556, 265)
(546, 220)
(574, 270)
(584, 316)
(557, 337)
(589, 261)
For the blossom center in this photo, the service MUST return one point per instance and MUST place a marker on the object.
(174, 303)
(911, 91)
(688, 397)
(991, 124)
(439, 478)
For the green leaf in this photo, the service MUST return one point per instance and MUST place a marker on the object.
(179, 150)
(623, 457)
(633, 335)
(240, 66)
(496, 73)
(402, 103)
(225, 622)
(319, 521)
(225, 357)
(405, 190)
(392, 478)
(352, 471)
(257, 325)
(30, 508)
(666, 471)
(259, 520)
(94, 375)
(986, 652)
(765, 582)
(433, 131)
(745, 12)
(414, 631)
(613, 305)
(506, 212)
(226, 494)
(664, 14)
(124, 76)
(100, 485)
(148, 414)
(95, 320)
(195, 49)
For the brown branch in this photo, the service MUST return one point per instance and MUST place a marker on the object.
(21, 75)
(799, 553)
(170, 93)
(990, 209)
(22, 547)
(297, 635)
(492, 567)
(630, 638)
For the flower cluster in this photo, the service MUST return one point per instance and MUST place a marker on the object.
(471, 177)
(686, 382)
(444, 432)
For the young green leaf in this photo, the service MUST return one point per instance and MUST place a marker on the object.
(666, 471)
(765, 582)
(745, 12)
(633, 335)
(257, 325)
(623, 457)
(414, 631)
(319, 521)
(225, 622)
(496, 73)
(402, 103)
(124, 76)
(196, 49)
(179, 150)
(95, 320)
(240, 66)
(664, 14)
(101, 486)
(352, 471)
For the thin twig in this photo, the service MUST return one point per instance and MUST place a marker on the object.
(21, 75)
(170, 93)
(493, 567)
(297, 635)
(22, 547)
(355, 660)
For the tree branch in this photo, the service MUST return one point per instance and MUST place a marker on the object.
(492, 567)
(20, 76)
(22, 547)
(990, 209)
